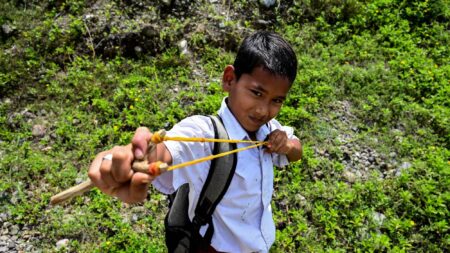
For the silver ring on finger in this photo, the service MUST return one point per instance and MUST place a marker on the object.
(107, 157)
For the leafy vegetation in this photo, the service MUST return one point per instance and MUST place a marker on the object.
(373, 75)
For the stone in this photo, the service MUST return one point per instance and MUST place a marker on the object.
(28, 115)
(349, 176)
(405, 165)
(62, 243)
(14, 230)
(183, 46)
(138, 50)
(7, 30)
(268, 3)
(378, 218)
(38, 130)
(42, 112)
(3, 216)
(11, 244)
(166, 2)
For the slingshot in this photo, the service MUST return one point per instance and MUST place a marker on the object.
(157, 168)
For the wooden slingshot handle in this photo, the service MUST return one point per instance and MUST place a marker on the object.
(154, 169)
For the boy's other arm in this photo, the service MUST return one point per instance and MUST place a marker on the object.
(115, 177)
(279, 143)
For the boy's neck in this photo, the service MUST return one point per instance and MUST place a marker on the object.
(252, 135)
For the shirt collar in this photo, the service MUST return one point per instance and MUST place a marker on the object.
(234, 128)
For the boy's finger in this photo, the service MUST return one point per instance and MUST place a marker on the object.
(280, 141)
(140, 142)
(106, 177)
(95, 175)
(121, 164)
(139, 186)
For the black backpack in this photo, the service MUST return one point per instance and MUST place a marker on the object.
(182, 234)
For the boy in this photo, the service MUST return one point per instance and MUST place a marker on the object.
(257, 84)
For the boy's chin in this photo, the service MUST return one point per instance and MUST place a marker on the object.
(252, 129)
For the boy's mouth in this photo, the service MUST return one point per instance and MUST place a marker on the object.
(257, 121)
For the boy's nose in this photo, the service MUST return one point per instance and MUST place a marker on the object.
(262, 111)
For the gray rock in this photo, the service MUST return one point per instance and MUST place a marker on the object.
(349, 176)
(62, 243)
(138, 50)
(29, 248)
(7, 30)
(42, 112)
(38, 130)
(183, 46)
(90, 17)
(378, 218)
(6, 224)
(149, 31)
(3, 216)
(3, 249)
(405, 165)
(11, 244)
(14, 230)
(268, 3)
(28, 115)
(302, 199)
(166, 2)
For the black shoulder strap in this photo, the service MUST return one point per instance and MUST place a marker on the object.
(219, 178)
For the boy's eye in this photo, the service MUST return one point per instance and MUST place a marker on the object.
(257, 93)
(278, 101)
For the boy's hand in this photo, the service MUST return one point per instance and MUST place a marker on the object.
(280, 143)
(115, 176)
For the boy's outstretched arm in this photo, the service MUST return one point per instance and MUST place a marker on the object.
(115, 176)
(279, 143)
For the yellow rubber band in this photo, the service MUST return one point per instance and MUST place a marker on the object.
(207, 158)
(157, 138)
(199, 139)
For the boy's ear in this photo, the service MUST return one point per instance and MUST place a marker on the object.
(228, 78)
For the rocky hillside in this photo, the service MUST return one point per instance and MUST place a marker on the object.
(370, 104)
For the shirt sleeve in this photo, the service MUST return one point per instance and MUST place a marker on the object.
(194, 126)
(278, 159)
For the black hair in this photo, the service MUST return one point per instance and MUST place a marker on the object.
(268, 50)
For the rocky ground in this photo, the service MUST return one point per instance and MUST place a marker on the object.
(359, 160)
(140, 31)
(14, 238)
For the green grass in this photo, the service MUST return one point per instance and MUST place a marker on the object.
(386, 60)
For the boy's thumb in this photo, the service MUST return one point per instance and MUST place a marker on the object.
(140, 142)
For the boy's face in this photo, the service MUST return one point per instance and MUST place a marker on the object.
(255, 98)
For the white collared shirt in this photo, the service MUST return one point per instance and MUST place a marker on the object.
(243, 219)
